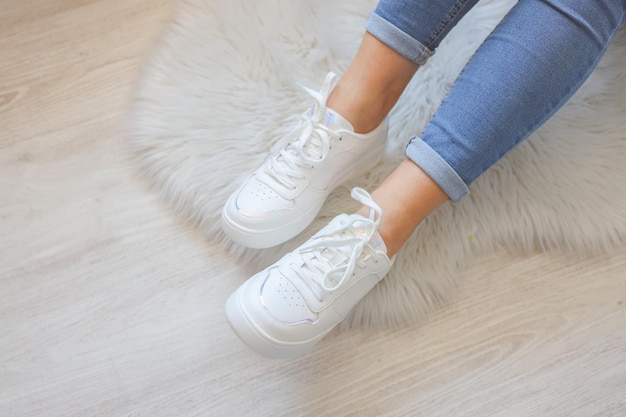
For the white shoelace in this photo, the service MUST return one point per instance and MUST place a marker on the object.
(311, 143)
(328, 260)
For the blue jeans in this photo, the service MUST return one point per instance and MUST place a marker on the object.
(526, 69)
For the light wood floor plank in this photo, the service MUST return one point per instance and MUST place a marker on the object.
(112, 306)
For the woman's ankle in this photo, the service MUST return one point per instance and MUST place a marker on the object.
(364, 114)
(406, 198)
(371, 85)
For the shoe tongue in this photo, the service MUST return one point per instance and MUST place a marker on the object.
(377, 243)
(335, 121)
(338, 257)
(362, 227)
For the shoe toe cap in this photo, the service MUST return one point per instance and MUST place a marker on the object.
(256, 202)
(283, 302)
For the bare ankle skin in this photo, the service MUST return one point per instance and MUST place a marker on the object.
(371, 85)
(406, 197)
(364, 95)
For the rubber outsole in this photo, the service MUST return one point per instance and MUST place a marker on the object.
(261, 239)
(255, 339)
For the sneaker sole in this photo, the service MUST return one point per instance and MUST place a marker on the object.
(260, 239)
(256, 339)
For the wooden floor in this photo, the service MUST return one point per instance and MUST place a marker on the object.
(112, 306)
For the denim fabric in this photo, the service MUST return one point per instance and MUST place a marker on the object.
(414, 29)
(527, 68)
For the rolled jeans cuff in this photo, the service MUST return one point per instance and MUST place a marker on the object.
(436, 168)
(397, 40)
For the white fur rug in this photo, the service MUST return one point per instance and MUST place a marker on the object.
(220, 88)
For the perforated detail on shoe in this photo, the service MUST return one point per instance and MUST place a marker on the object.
(284, 302)
(290, 295)
(257, 199)
(262, 192)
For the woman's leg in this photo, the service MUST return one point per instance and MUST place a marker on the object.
(371, 85)
(285, 309)
(525, 71)
(528, 67)
(401, 36)
(344, 132)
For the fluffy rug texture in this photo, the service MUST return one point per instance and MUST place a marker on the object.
(220, 88)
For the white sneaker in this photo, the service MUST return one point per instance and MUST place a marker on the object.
(284, 310)
(283, 196)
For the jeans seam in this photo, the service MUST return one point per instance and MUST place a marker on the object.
(437, 168)
(387, 33)
(444, 24)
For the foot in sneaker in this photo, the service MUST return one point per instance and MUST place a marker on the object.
(283, 196)
(284, 310)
